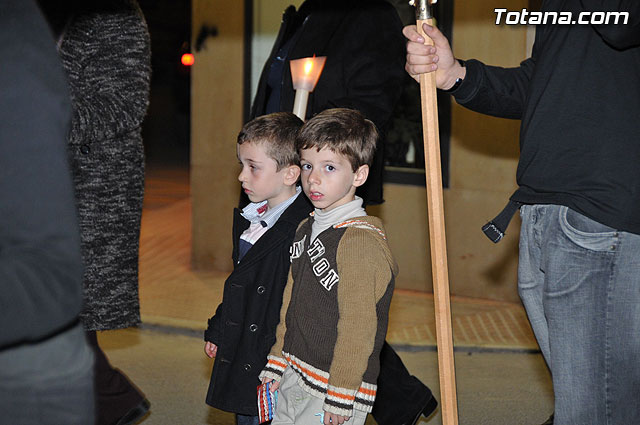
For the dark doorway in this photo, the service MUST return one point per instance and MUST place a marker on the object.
(166, 129)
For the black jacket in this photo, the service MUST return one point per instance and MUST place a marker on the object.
(365, 50)
(244, 325)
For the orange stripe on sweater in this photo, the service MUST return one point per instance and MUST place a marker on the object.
(366, 391)
(342, 396)
(277, 363)
(309, 372)
(364, 223)
(322, 379)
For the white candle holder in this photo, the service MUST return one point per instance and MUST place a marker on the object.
(305, 73)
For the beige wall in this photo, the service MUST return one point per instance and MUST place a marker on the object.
(484, 157)
(477, 267)
(216, 118)
(484, 153)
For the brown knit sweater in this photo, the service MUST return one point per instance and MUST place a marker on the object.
(334, 313)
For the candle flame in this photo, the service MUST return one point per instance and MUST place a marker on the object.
(306, 71)
(308, 66)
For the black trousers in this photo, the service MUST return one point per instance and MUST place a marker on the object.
(115, 394)
(400, 395)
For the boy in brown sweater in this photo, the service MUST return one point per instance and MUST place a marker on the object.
(334, 316)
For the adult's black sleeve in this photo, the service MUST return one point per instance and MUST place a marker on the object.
(496, 91)
(40, 262)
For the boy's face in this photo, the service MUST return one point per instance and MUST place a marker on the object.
(328, 179)
(260, 177)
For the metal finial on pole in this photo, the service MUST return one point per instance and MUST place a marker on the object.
(423, 9)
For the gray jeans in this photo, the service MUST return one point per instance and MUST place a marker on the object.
(50, 382)
(579, 281)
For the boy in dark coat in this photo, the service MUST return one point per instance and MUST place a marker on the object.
(242, 330)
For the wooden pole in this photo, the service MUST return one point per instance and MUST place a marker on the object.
(437, 239)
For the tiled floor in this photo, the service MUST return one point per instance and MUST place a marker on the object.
(493, 388)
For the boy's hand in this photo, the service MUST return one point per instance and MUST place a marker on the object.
(210, 349)
(333, 419)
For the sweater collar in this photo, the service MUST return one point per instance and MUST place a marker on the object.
(322, 220)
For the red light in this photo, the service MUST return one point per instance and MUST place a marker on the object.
(187, 59)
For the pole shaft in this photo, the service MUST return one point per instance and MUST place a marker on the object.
(437, 239)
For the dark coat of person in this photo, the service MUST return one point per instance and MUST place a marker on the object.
(244, 326)
(105, 51)
(40, 262)
(364, 70)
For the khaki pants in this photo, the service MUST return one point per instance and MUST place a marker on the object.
(296, 406)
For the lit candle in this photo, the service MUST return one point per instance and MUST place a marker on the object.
(305, 73)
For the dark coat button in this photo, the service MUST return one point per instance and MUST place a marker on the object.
(247, 367)
(261, 289)
(85, 149)
(253, 327)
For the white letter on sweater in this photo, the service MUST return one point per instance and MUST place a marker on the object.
(296, 249)
(315, 250)
(321, 266)
(330, 279)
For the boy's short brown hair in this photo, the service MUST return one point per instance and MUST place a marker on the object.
(278, 132)
(343, 131)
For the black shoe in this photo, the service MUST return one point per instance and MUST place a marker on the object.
(135, 414)
(427, 410)
(548, 421)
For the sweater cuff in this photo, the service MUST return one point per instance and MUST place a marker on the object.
(274, 369)
(471, 83)
(339, 401)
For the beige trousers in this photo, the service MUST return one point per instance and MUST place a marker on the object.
(295, 406)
